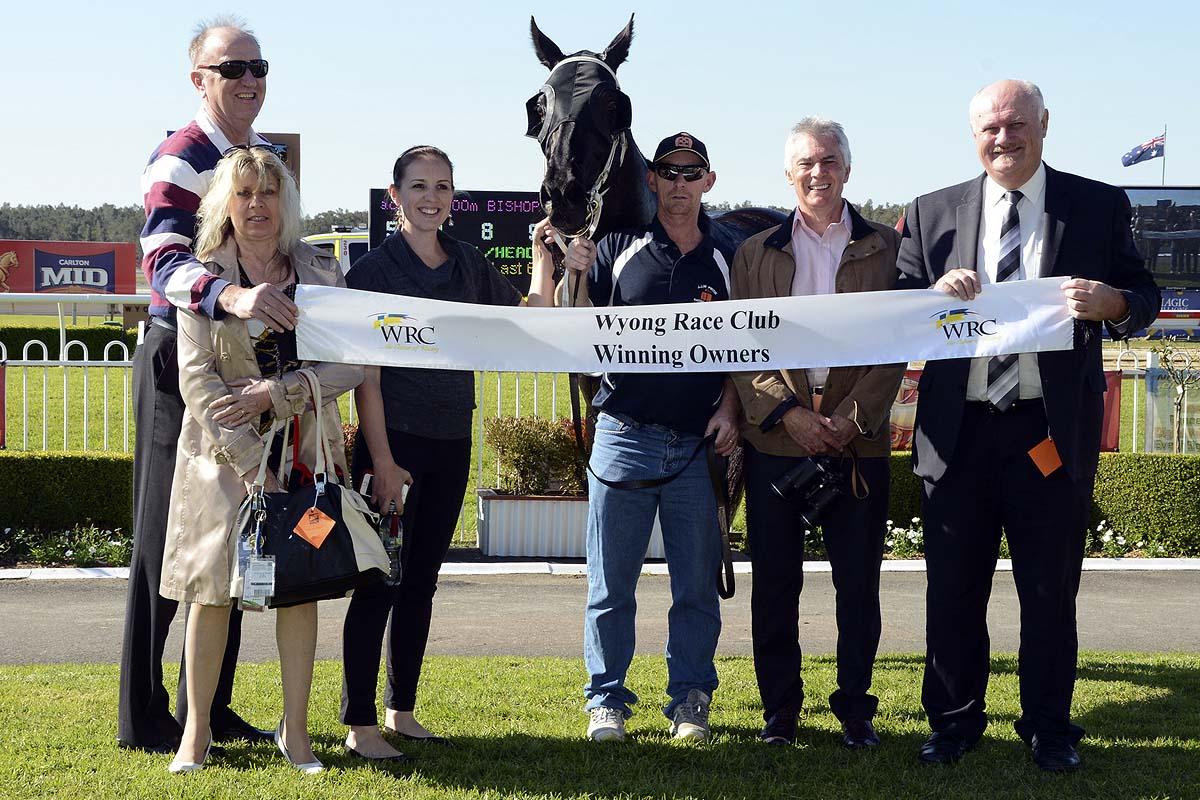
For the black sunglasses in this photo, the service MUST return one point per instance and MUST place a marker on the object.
(690, 172)
(274, 148)
(232, 70)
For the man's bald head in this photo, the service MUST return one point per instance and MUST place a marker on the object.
(1009, 120)
(217, 32)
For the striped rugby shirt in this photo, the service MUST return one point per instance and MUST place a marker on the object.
(178, 175)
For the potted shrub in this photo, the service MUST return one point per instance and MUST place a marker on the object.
(540, 507)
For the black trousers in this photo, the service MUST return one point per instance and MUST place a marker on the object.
(853, 531)
(992, 484)
(143, 713)
(440, 469)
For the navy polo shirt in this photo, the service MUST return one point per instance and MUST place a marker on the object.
(644, 267)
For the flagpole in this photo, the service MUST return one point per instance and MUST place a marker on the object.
(1164, 164)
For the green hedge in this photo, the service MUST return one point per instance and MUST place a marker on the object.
(94, 337)
(1154, 499)
(57, 491)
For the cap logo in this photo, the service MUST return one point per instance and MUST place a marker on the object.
(683, 140)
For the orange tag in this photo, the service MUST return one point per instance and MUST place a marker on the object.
(314, 526)
(1045, 457)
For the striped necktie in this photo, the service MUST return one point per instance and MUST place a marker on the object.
(1002, 378)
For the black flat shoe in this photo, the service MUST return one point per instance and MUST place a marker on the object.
(858, 734)
(431, 739)
(396, 759)
(1055, 754)
(943, 747)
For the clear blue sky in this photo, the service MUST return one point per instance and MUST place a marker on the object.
(87, 89)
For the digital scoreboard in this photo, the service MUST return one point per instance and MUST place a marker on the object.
(499, 223)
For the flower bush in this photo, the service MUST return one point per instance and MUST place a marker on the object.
(904, 541)
(82, 546)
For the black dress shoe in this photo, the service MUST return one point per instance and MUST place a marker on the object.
(1055, 754)
(399, 757)
(858, 734)
(164, 747)
(236, 729)
(780, 728)
(943, 747)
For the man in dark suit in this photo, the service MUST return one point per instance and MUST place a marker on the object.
(1012, 442)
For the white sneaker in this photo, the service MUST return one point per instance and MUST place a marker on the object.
(691, 717)
(606, 725)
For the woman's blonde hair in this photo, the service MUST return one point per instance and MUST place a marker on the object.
(259, 166)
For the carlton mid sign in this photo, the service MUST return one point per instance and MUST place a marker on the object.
(76, 267)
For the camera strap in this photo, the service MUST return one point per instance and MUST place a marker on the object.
(858, 484)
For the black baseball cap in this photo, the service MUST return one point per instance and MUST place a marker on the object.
(682, 142)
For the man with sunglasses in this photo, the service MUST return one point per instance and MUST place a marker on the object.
(229, 74)
(648, 457)
(841, 414)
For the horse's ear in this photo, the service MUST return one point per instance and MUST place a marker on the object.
(618, 49)
(547, 51)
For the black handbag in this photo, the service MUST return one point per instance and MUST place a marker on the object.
(350, 555)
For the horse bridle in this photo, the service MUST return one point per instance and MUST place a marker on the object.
(616, 152)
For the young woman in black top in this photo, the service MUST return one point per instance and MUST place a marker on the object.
(414, 429)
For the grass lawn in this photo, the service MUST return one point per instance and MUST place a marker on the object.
(518, 731)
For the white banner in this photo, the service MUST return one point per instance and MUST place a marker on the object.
(771, 333)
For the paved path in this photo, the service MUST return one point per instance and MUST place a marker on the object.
(531, 615)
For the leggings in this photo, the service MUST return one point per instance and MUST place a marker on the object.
(440, 469)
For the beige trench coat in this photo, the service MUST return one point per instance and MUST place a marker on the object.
(207, 487)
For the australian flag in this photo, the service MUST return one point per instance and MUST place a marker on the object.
(1155, 148)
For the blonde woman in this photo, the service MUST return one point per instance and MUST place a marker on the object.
(237, 377)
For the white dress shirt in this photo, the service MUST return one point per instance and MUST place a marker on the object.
(1031, 210)
(817, 259)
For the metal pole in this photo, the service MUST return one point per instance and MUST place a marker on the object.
(1164, 164)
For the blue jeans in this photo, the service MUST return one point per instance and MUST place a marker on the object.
(619, 526)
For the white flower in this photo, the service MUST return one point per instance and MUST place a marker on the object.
(916, 520)
(890, 523)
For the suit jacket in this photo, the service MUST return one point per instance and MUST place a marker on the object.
(1087, 235)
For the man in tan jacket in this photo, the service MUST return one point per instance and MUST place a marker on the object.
(824, 247)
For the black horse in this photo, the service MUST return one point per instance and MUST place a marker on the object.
(595, 180)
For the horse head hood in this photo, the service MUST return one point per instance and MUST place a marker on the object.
(581, 119)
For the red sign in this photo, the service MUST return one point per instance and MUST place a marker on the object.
(904, 412)
(74, 267)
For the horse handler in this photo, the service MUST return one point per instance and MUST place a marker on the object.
(648, 457)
